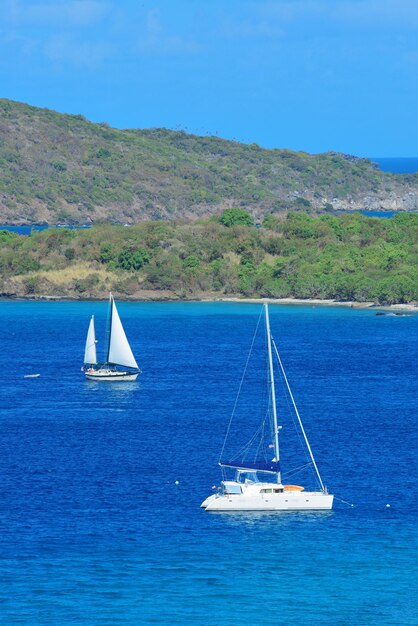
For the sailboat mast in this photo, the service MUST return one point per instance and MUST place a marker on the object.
(109, 334)
(272, 392)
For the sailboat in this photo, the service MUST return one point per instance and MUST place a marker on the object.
(257, 485)
(120, 363)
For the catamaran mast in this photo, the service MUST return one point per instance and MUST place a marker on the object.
(272, 393)
(299, 420)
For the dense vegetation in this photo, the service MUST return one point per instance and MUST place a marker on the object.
(350, 257)
(64, 169)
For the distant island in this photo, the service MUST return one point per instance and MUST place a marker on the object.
(57, 168)
(349, 257)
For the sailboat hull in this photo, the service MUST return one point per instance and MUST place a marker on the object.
(111, 375)
(288, 501)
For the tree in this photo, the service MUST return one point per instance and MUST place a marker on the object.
(69, 254)
(270, 221)
(106, 253)
(132, 259)
(236, 217)
(191, 262)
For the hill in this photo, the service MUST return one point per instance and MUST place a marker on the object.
(349, 257)
(62, 168)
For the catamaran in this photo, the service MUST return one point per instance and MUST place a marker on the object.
(120, 363)
(257, 485)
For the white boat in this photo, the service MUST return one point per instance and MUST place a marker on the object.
(120, 363)
(257, 485)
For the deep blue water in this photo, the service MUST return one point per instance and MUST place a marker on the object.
(397, 165)
(93, 528)
(26, 229)
(384, 214)
(23, 230)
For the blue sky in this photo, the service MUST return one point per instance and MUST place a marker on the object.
(311, 75)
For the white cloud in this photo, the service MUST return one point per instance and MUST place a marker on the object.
(64, 32)
(248, 28)
(61, 12)
(64, 49)
(274, 19)
(26, 46)
(370, 13)
(157, 40)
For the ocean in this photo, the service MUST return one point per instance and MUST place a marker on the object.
(397, 165)
(101, 483)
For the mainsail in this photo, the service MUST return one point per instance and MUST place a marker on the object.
(120, 352)
(90, 356)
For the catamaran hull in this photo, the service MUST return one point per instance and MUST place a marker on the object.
(111, 376)
(301, 501)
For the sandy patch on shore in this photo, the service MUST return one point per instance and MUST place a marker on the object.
(318, 302)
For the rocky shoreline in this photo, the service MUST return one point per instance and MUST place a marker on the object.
(166, 296)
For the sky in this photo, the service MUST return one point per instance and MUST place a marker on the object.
(311, 75)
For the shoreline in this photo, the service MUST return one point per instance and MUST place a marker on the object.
(410, 307)
(318, 302)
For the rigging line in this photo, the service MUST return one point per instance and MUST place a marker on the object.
(345, 502)
(297, 469)
(292, 416)
(239, 388)
(246, 447)
(292, 473)
(262, 439)
(291, 412)
(298, 416)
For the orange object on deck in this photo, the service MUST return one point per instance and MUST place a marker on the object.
(293, 488)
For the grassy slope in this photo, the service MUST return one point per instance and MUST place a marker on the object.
(63, 168)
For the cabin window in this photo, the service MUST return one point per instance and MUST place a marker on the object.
(266, 490)
(247, 477)
(232, 489)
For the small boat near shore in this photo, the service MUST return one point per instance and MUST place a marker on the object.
(257, 485)
(120, 363)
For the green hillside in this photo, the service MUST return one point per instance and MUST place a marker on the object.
(63, 168)
(350, 257)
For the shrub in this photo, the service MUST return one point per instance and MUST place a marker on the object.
(106, 253)
(69, 254)
(236, 217)
(191, 262)
(132, 259)
(31, 284)
(85, 284)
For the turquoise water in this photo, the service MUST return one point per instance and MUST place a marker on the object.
(94, 528)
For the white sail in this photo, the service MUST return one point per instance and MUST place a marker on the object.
(120, 352)
(90, 356)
